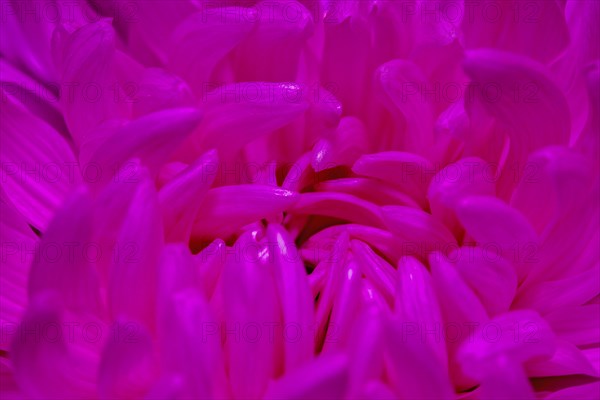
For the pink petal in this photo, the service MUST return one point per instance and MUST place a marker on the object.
(376, 269)
(210, 262)
(192, 346)
(339, 205)
(179, 204)
(524, 101)
(417, 305)
(239, 113)
(578, 325)
(517, 27)
(38, 166)
(411, 173)
(44, 368)
(273, 51)
(251, 310)
(491, 277)
(413, 367)
(297, 302)
(582, 392)
(324, 378)
(500, 229)
(203, 39)
(88, 78)
(133, 274)
(400, 83)
(17, 240)
(151, 138)
(226, 209)
(566, 360)
(371, 190)
(468, 176)
(419, 228)
(126, 367)
(63, 264)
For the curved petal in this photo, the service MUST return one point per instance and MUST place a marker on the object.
(38, 166)
(338, 205)
(180, 199)
(226, 209)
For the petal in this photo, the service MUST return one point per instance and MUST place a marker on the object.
(566, 360)
(578, 325)
(491, 277)
(273, 51)
(297, 302)
(468, 176)
(179, 204)
(418, 227)
(206, 37)
(43, 364)
(87, 75)
(133, 273)
(371, 190)
(376, 269)
(226, 209)
(192, 346)
(16, 241)
(517, 27)
(126, 367)
(517, 336)
(500, 229)
(525, 103)
(210, 262)
(581, 392)
(324, 378)
(38, 165)
(251, 306)
(338, 205)
(410, 172)
(413, 367)
(63, 264)
(400, 83)
(238, 113)
(151, 138)
(417, 304)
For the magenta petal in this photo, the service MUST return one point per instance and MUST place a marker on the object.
(39, 168)
(296, 299)
(324, 378)
(63, 264)
(133, 273)
(17, 240)
(126, 367)
(151, 138)
(226, 209)
(179, 204)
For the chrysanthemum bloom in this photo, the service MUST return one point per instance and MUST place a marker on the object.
(299, 199)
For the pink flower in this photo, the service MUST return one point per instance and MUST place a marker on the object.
(300, 199)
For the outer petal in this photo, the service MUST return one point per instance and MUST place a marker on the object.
(517, 27)
(126, 369)
(251, 308)
(295, 297)
(526, 103)
(228, 208)
(179, 204)
(324, 378)
(133, 274)
(16, 242)
(38, 165)
(496, 226)
(151, 138)
(63, 264)
(88, 77)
